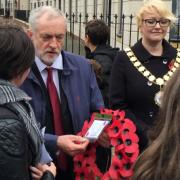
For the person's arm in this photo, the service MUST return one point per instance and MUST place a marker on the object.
(105, 62)
(118, 84)
(96, 99)
(13, 150)
(105, 65)
(50, 142)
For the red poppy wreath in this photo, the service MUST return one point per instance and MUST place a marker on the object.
(124, 141)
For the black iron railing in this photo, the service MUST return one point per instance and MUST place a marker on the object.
(124, 31)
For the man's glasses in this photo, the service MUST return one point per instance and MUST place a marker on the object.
(153, 22)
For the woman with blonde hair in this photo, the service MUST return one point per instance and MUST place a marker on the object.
(140, 72)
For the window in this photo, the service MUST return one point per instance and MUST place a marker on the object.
(175, 31)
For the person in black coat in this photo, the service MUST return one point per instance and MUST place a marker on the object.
(21, 141)
(140, 72)
(100, 53)
(101, 56)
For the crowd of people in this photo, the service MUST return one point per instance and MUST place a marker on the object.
(48, 93)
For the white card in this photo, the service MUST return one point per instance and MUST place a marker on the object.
(96, 129)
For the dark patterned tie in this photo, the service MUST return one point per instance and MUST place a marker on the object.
(56, 107)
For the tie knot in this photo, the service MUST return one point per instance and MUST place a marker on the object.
(49, 73)
(49, 69)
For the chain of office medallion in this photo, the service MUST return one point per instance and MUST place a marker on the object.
(147, 74)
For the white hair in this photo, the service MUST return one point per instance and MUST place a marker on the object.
(35, 14)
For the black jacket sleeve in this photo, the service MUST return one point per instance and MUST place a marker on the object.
(47, 176)
(13, 150)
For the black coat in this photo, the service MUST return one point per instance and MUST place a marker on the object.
(104, 55)
(129, 89)
(15, 151)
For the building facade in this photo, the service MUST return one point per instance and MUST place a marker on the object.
(113, 12)
(11, 5)
(118, 14)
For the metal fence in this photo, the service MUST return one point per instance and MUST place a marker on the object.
(123, 30)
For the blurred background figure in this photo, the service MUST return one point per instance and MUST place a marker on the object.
(100, 53)
(161, 159)
(140, 72)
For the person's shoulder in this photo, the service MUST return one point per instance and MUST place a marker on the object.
(12, 132)
(121, 55)
(6, 112)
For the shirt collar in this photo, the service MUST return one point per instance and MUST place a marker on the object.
(58, 63)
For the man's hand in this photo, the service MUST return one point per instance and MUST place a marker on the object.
(72, 144)
(104, 140)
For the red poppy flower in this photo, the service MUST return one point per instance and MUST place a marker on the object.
(127, 170)
(119, 115)
(128, 126)
(114, 130)
(90, 155)
(130, 142)
(79, 168)
(171, 64)
(132, 157)
(106, 176)
(117, 142)
(115, 167)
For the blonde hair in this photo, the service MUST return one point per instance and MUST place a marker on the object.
(159, 6)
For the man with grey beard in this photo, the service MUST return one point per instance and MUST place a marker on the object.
(73, 78)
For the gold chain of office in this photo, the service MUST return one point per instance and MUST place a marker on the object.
(147, 74)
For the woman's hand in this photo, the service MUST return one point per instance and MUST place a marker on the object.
(37, 172)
